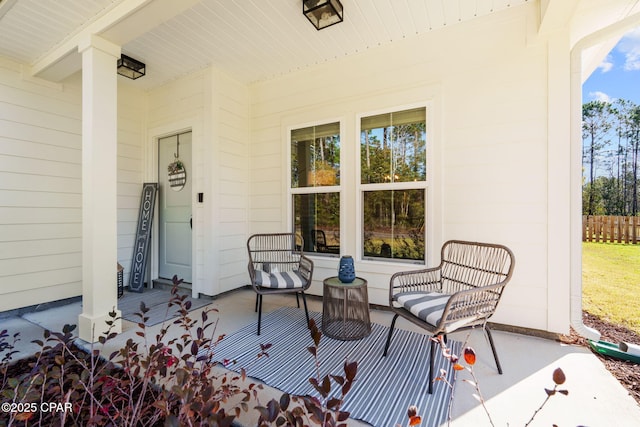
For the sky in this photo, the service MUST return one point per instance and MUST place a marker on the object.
(618, 76)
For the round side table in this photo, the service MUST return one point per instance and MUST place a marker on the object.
(345, 309)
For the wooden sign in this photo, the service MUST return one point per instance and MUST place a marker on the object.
(143, 236)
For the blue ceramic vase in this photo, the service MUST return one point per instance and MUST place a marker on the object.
(346, 270)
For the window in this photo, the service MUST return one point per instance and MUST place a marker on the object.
(393, 183)
(315, 187)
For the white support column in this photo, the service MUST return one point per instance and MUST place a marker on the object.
(99, 178)
(558, 182)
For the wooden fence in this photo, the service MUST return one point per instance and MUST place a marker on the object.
(613, 229)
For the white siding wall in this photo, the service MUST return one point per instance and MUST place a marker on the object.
(40, 178)
(176, 107)
(132, 126)
(486, 83)
(230, 180)
(216, 108)
(41, 189)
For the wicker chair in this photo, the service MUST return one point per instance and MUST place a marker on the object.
(277, 266)
(462, 292)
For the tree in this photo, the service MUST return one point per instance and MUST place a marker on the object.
(634, 140)
(621, 110)
(596, 123)
(611, 178)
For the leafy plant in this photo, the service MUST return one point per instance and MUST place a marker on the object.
(414, 418)
(469, 357)
(7, 349)
(155, 380)
(175, 167)
(158, 380)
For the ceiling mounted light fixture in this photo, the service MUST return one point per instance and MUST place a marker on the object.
(323, 13)
(131, 68)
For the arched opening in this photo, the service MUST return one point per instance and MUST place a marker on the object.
(597, 43)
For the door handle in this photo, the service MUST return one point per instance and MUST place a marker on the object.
(191, 223)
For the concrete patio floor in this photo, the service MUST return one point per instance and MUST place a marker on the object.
(595, 397)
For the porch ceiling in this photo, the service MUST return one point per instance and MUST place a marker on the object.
(252, 40)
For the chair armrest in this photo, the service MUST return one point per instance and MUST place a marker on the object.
(306, 269)
(252, 272)
(470, 307)
(425, 280)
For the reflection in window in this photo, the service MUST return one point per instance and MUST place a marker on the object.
(317, 220)
(315, 156)
(315, 163)
(393, 178)
(393, 147)
(394, 224)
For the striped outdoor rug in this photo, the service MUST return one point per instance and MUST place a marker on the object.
(384, 387)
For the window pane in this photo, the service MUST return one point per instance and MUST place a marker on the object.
(394, 224)
(393, 147)
(317, 220)
(315, 156)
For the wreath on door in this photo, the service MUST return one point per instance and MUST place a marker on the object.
(177, 175)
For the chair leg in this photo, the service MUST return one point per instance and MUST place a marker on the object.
(304, 300)
(391, 328)
(432, 354)
(493, 349)
(257, 298)
(259, 312)
(298, 299)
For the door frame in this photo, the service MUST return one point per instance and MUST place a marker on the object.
(151, 154)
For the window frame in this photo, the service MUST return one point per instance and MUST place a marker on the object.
(291, 191)
(425, 185)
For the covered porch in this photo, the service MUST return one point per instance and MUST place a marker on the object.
(497, 86)
(595, 397)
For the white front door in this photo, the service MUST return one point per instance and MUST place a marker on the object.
(175, 175)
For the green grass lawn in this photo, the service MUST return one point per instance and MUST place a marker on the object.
(611, 282)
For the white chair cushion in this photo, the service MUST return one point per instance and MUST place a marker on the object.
(281, 279)
(427, 306)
